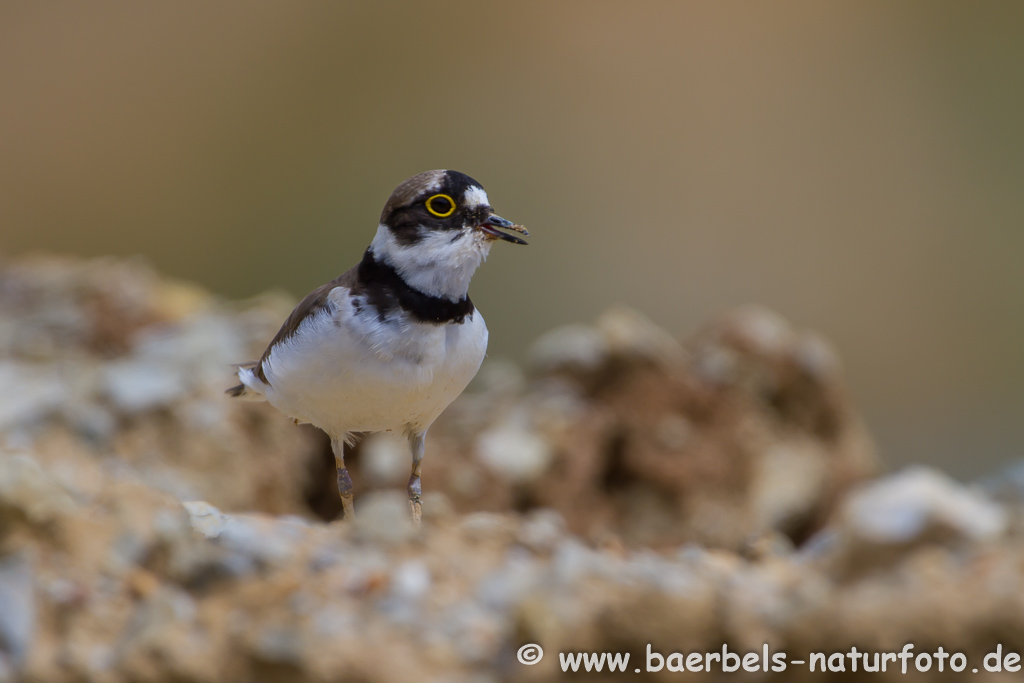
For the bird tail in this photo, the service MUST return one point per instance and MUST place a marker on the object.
(251, 388)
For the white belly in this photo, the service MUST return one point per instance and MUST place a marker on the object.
(346, 372)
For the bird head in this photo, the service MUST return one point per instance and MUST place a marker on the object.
(447, 203)
(437, 228)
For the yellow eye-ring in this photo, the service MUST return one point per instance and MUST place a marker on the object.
(441, 205)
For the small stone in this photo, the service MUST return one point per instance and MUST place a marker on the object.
(513, 451)
(771, 544)
(410, 580)
(542, 530)
(1006, 484)
(437, 506)
(64, 592)
(26, 488)
(819, 546)
(631, 334)
(39, 392)
(481, 526)
(467, 480)
(476, 633)
(384, 516)
(815, 356)
(260, 538)
(510, 584)
(716, 364)
(205, 518)
(94, 422)
(573, 561)
(385, 459)
(760, 330)
(497, 376)
(17, 606)
(670, 577)
(578, 347)
(278, 645)
(138, 385)
(787, 483)
(205, 415)
(903, 507)
(329, 622)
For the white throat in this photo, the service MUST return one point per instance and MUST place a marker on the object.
(440, 264)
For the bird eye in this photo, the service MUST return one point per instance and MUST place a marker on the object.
(441, 205)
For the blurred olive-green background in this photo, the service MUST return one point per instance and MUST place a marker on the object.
(857, 166)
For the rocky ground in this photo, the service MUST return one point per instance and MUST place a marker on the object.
(624, 490)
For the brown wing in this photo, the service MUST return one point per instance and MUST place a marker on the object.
(313, 302)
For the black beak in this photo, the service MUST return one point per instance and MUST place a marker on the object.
(493, 222)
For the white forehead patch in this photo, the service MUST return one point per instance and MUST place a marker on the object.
(474, 197)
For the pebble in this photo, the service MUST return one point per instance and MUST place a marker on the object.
(25, 487)
(383, 516)
(260, 538)
(410, 580)
(205, 518)
(574, 346)
(630, 334)
(542, 530)
(39, 393)
(508, 585)
(384, 459)
(763, 330)
(573, 561)
(278, 645)
(514, 451)
(139, 385)
(17, 606)
(787, 480)
(481, 526)
(1006, 484)
(816, 356)
(902, 507)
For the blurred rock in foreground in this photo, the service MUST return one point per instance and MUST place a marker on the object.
(119, 371)
(627, 490)
(744, 429)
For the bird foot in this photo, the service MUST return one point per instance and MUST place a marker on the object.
(416, 510)
(349, 508)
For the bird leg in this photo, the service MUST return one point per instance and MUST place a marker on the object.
(344, 481)
(418, 444)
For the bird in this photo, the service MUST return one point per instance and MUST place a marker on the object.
(389, 344)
